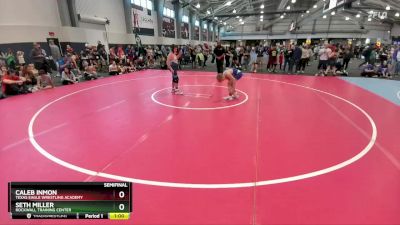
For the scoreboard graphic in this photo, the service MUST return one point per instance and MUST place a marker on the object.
(70, 200)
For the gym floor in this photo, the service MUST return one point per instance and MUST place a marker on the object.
(291, 150)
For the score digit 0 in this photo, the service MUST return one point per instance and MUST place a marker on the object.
(121, 194)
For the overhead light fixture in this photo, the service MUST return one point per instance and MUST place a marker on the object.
(388, 7)
(397, 14)
(347, 18)
(262, 12)
(242, 22)
(225, 23)
(369, 19)
(389, 31)
(262, 6)
(215, 18)
(208, 12)
(358, 15)
(237, 17)
(288, 7)
(324, 17)
(302, 15)
(261, 16)
(293, 1)
(308, 11)
(198, 5)
(261, 20)
(333, 13)
(315, 6)
(234, 11)
(282, 16)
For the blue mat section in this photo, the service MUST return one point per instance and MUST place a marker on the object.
(388, 89)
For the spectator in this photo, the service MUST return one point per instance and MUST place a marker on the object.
(113, 69)
(90, 73)
(13, 84)
(44, 81)
(368, 71)
(297, 53)
(253, 60)
(323, 60)
(21, 58)
(10, 59)
(219, 53)
(347, 55)
(37, 56)
(68, 77)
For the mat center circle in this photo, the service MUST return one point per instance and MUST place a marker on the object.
(198, 97)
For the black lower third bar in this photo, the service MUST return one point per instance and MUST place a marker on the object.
(89, 216)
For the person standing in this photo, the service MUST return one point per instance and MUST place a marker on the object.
(173, 66)
(55, 53)
(219, 53)
(347, 55)
(37, 56)
(297, 53)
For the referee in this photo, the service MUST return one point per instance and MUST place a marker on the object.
(219, 53)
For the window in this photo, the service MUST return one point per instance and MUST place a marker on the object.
(143, 3)
(147, 4)
(205, 26)
(185, 19)
(168, 12)
(196, 23)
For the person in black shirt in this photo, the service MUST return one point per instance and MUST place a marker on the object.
(219, 53)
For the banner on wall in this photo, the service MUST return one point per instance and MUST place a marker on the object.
(143, 21)
(184, 30)
(196, 33)
(168, 27)
(204, 35)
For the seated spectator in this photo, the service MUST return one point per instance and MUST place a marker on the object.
(368, 71)
(130, 67)
(13, 84)
(113, 69)
(21, 58)
(141, 63)
(383, 70)
(68, 77)
(44, 81)
(90, 73)
(27, 72)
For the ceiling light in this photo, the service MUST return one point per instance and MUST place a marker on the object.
(369, 19)
(397, 15)
(324, 17)
(198, 5)
(262, 12)
(262, 6)
(208, 12)
(347, 18)
(308, 11)
(261, 20)
(288, 7)
(358, 15)
(389, 31)
(242, 22)
(333, 13)
(225, 23)
(261, 16)
(282, 16)
(388, 7)
(302, 15)
(234, 11)
(315, 6)
(237, 17)
(293, 1)
(215, 18)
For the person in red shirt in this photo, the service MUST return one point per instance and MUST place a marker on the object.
(13, 84)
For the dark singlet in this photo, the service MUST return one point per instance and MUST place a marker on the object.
(237, 74)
